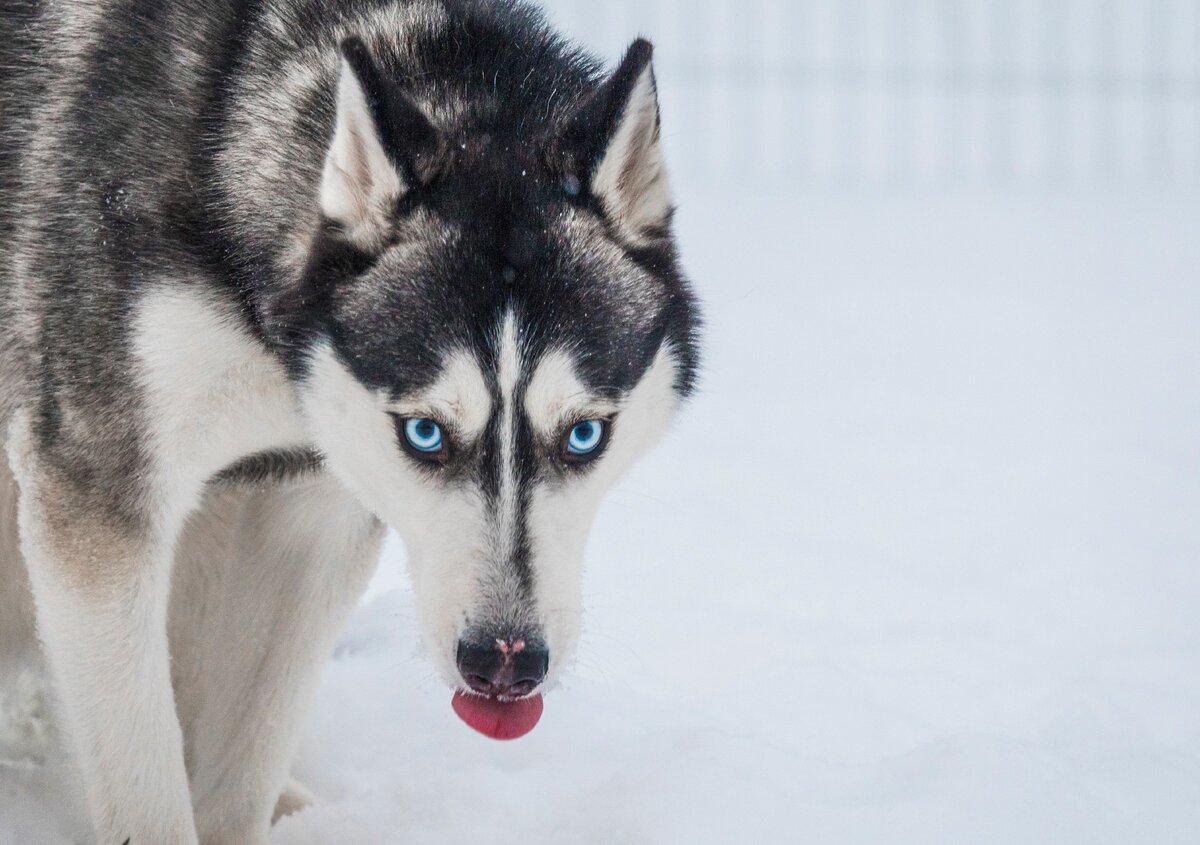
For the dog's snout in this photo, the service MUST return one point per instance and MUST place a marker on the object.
(503, 667)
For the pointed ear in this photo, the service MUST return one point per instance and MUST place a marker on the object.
(382, 147)
(612, 145)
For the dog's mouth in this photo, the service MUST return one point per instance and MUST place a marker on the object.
(498, 717)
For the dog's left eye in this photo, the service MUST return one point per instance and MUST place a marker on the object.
(585, 441)
(423, 438)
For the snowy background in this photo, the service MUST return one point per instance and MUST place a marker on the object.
(921, 564)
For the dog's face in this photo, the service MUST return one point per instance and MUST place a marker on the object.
(503, 335)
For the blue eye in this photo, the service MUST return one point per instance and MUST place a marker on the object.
(425, 436)
(585, 439)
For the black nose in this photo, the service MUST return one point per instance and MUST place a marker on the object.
(503, 667)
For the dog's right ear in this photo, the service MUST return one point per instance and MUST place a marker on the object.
(382, 147)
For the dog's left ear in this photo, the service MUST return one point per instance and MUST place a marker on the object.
(382, 147)
(611, 144)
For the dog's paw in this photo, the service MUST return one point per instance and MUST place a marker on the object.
(294, 798)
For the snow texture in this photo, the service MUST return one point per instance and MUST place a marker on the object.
(920, 564)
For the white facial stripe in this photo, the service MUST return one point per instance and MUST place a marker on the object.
(508, 375)
(556, 397)
(459, 397)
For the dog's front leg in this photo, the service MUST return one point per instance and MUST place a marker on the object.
(100, 572)
(265, 580)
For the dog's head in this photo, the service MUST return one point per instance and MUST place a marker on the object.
(498, 329)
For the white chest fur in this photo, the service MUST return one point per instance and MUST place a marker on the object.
(214, 394)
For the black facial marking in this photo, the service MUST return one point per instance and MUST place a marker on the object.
(503, 225)
(525, 472)
(521, 248)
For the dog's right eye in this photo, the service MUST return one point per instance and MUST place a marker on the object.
(423, 439)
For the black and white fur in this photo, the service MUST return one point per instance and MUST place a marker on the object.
(240, 240)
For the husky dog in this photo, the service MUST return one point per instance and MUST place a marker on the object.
(273, 274)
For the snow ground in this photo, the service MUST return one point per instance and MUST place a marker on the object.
(921, 563)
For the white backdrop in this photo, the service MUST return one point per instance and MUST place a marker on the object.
(925, 92)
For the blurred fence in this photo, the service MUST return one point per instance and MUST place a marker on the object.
(929, 92)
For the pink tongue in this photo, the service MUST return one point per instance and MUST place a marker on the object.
(498, 719)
